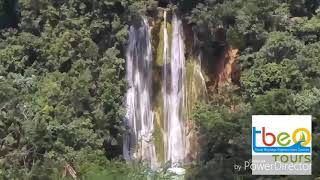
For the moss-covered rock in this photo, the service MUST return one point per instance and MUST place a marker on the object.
(159, 135)
(158, 42)
(195, 92)
(195, 84)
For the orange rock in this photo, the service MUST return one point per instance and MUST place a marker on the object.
(228, 68)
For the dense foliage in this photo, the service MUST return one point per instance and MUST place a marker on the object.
(62, 86)
(279, 64)
(62, 82)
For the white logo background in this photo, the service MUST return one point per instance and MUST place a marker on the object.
(279, 123)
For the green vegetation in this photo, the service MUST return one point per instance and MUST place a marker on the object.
(62, 88)
(62, 82)
(279, 67)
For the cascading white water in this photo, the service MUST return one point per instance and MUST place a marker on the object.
(198, 69)
(174, 95)
(138, 143)
(165, 76)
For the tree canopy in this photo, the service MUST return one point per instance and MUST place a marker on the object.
(62, 81)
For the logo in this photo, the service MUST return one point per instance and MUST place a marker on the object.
(281, 145)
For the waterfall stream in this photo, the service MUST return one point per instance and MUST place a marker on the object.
(141, 140)
(165, 77)
(138, 144)
(174, 96)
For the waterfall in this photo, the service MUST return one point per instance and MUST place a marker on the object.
(165, 78)
(139, 140)
(198, 69)
(138, 143)
(174, 96)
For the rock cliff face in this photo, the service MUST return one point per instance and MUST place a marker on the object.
(225, 68)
